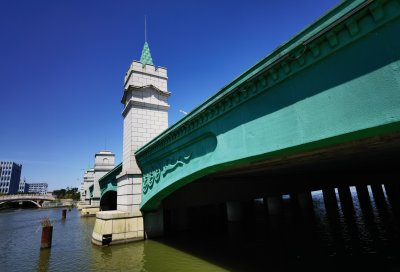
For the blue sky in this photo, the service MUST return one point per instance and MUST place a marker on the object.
(62, 65)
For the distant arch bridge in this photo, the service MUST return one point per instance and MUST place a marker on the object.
(36, 199)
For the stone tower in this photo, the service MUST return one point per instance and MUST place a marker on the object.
(87, 182)
(145, 115)
(104, 162)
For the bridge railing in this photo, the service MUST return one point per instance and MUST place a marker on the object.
(26, 196)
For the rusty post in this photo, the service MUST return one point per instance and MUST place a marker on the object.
(64, 214)
(47, 235)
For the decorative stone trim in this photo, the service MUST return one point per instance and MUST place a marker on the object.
(137, 67)
(132, 103)
(133, 88)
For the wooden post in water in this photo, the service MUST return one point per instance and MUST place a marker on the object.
(47, 233)
(64, 214)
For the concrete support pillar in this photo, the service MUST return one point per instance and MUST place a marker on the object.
(366, 208)
(332, 211)
(302, 240)
(347, 205)
(249, 210)
(364, 198)
(330, 200)
(235, 211)
(379, 195)
(221, 213)
(274, 204)
(305, 200)
(382, 206)
(129, 193)
(181, 219)
(385, 215)
(345, 197)
(393, 193)
(294, 201)
(154, 223)
(275, 228)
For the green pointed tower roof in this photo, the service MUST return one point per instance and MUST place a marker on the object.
(146, 56)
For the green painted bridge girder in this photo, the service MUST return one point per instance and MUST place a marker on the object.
(91, 189)
(335, 82)
(109, 181)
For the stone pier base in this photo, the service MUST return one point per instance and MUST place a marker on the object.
(274, 204)
(234, 211)
(89, 210)
(81, 205)
(154, 223)
(116, 227)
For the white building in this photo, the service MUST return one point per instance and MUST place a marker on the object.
(37, 188)
(10, 175)
(23, 187)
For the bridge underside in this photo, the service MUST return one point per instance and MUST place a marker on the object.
(25, 202)
(363, 162)
(108, 201)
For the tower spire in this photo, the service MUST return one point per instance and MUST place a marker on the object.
(145, 29)
(145, 58)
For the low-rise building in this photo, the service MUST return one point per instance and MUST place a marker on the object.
(37, 188)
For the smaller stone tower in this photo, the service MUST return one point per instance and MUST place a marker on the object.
(87, 182)
(104, 162)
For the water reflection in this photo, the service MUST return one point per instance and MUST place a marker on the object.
(358, 231)
(43, 260)
(347, 229)
(125, 257)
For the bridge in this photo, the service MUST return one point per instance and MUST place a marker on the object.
(320, 112)
(36, 199)
(324, 106)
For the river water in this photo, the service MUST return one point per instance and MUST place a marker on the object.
(365, 240)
